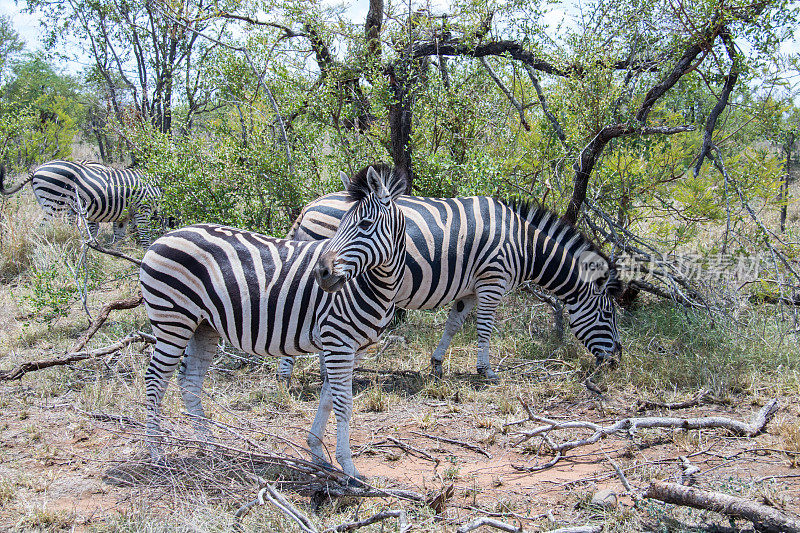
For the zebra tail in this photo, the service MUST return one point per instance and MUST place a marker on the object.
(15, 188)
(295, 226)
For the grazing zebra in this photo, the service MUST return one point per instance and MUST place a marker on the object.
(100, 193)
(276, 297)
(472, 251)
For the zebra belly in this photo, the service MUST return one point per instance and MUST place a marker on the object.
(258, 293)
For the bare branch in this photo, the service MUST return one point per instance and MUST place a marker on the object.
(696, 399)
(630, 425)
(31, 366)
(507, 92)
(591, 153)
(467, 445)
(116, 305)
(545, 108)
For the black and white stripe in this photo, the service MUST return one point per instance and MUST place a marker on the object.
(276, 297)
(97, 192)
(472, 251)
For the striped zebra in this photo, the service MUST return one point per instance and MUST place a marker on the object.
(275, 297)
(98, 192)
(472, 251)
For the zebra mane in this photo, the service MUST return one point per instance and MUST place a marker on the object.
(396, 181)
(553, 225)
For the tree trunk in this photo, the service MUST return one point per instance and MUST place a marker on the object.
(785, 182)
(400, 120)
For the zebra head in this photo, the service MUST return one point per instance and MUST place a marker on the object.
(592, 315)
(371, 234)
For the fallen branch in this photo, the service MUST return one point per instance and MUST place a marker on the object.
(116, 305)
(30, 366)
(467, 445)
(630, 425)
(491, 522)
(696, 399)
(766, 518)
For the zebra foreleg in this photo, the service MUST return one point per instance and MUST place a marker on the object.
(199, 355)
(317, 431)
(286, 366)
(337, 395)
(455, 321)
(487, 306)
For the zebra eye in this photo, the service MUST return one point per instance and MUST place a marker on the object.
(366, 223)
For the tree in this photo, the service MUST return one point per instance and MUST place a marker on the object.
(147, 61)
(10, 46)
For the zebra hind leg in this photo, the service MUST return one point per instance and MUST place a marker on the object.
(200, 353)
(285, 367)
(163, 363)
(94, 229)
(455, 321)
(120, 227)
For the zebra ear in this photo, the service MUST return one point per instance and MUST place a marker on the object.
(376, 185)
(345, 179)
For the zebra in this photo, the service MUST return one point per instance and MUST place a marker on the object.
(275, 297)
(98, 192)
(472, 251)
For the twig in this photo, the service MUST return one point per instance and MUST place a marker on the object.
(696, 399)
(411, 449)
(688, 471)
(577, 529)
(400, 514)
(116, 305)
(94, 245)
(637, 497)
(272, 495)
(766, 518)
(30, 366)
(467, 445)
(507, 92)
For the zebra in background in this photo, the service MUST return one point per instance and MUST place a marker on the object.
(275, 297)
(472, 251)
(95, 191)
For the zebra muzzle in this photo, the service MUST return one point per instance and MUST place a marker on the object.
(325, 273)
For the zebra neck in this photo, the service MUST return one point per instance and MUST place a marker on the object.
(550, 258)
(385, 279)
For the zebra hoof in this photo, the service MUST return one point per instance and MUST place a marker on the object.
(488, 374)
(356, 483)
(322, 463)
